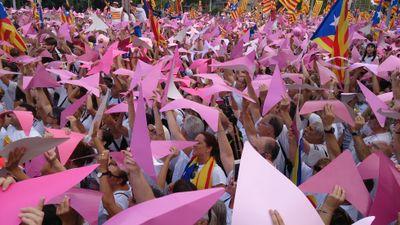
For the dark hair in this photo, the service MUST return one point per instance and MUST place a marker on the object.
(79, 154)
(183, 185)
(15, 52)
(321, 164)
(50, 41)
(50, 216)
(29, 108)
(212, 142)
(277, 124)
(365, 52)
(157, 193)
(92, 38)
(122, 175)
(272, 148)
(340, 217)
(57, 113)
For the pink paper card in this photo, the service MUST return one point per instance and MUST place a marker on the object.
(183, 208)
(46, 187)
(341, 171)
(255, 196)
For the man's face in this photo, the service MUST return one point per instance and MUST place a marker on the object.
(49, 47)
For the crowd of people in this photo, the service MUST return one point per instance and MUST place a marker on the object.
(167, 111)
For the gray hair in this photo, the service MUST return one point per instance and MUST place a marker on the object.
(319, 128)
(192, 126)
(218, 214)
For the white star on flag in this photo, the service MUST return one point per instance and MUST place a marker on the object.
(335, 21)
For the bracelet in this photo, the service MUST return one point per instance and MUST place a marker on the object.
(323, 211)
(330, 131)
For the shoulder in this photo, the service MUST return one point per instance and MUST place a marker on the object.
(218, 176)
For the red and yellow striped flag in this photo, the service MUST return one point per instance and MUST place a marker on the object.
(9, 33)
(291, 16)
(317, 8)
(305, 7)
(290, 5)
(268, 5)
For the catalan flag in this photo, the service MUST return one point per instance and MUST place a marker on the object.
(317, 8)
(376, 19)
(291, 16)
(8, 32)
(290, 5)
(327, 8)
(305, 7)
(234, 11)
(66, 16)
(34, 11)
(155, 27)
(153, 4)
(333, 34)
(268, 5)
(38, 12)
(242, 6)
(178, 6)
(394, 12)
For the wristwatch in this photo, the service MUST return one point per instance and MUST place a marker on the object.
(356, 133)
(101, 174)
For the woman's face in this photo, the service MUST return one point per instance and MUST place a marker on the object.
(201, 148)
(370, 49)
(152, 131)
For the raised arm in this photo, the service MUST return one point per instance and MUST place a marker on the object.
(331, 143)
(131, 110)
(157, 120)
(108, 196)
(173, 126)
(332, 202)
(140, 188)
(12, 164)
(362, 150)
(226, 152)
(162, 176)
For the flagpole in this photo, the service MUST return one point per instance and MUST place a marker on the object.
(15, 4)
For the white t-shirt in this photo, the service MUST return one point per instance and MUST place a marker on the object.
(125, 18)
(116, 14)
(317, 152)
(140, 15)
(121, 198)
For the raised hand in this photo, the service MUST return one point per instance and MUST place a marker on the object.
(328, 116)
(5, 182)
(32, 215)
(359, 123)
(334, 199)
(14, 158)
(130, 164)
(174, 152)
(103, 159)
(276, 217)
(65, 212)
